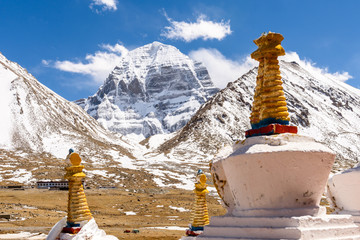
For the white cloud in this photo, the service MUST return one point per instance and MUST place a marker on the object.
(221, 69)
(97, 65)
(45, 62)
(104, 5)
(202, 28)
(117, 48)
(316, 71)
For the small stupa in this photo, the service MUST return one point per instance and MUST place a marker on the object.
(272, 183)
(79, 223)
(78, 209)
(200, 216)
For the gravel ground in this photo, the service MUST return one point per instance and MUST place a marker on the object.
(158, 213)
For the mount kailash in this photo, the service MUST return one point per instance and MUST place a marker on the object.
(154, 89)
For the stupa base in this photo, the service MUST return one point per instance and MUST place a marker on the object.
(280, 212)
(192, 233)
(270, 130)
(356, 219)
(72, 230)
(304, 227)
(354, 214)
(67, 236)
(89, 230)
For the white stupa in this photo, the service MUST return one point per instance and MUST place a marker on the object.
(272, 183)
(344, 189)
(271, 187)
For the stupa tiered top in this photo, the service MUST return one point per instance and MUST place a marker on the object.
(269, 112)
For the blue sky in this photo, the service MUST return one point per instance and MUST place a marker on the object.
(70, 45)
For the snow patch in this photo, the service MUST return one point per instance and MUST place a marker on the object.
(180, 209)
(130, 213)
(22, 176)
(174, 228)
(23, 235)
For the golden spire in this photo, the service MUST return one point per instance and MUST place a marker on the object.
(200, 216)
(269, 101)
(78, 209)
(269, 105)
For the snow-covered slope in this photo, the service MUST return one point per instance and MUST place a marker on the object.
(155, 89)
(38, 126)
(37, 119)
(321, 107)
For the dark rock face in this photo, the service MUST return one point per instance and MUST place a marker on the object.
(154, 89)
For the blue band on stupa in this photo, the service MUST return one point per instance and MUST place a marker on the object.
(71, 224)
(192, 228)
(265, 122)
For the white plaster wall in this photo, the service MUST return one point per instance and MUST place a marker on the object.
(345, 188)
(276, 172)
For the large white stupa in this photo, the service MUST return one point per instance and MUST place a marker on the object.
(272, 183)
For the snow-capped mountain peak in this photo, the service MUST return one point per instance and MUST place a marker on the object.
(154, 89)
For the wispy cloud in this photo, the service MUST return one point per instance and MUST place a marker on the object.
(223, 70)
(103, 5)
(97, 65)
(202, 28)
(311, 67)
